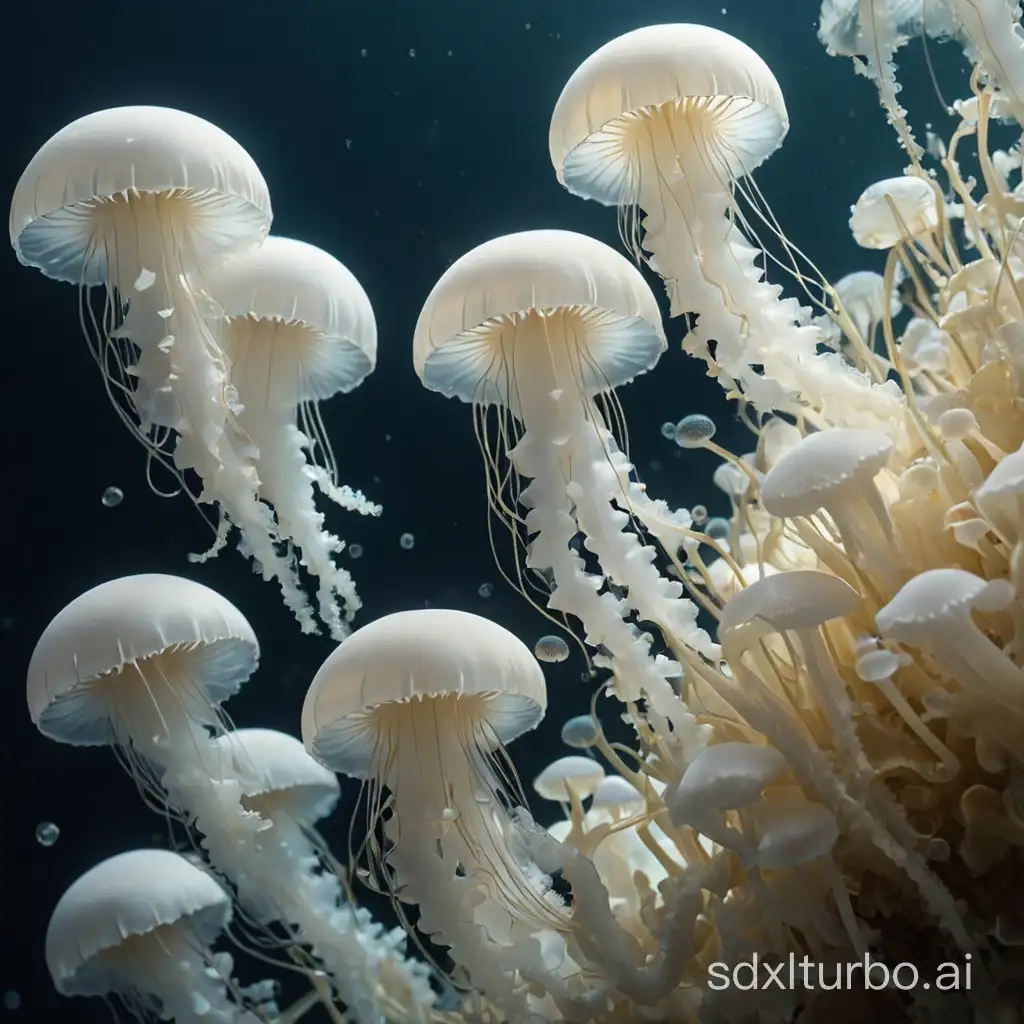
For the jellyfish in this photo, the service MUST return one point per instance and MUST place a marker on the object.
(423, 703)
(544, 325)
(142, 202)
(862, 296)
(672, 120)
(283, 878)
(143, 664)
(296, 329)
(140, 925)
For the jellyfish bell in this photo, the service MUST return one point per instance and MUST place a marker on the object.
(278, 778)
(297, 328)
(140, 925)
(862, 295)
(142, 663)
(685, 77)
(554, 307)
(894, 210)
(672, 120)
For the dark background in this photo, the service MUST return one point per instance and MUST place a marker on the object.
(396, 134)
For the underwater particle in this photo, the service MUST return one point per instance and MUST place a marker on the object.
(47, 833)
(668, 431)
(717, 528)
(529, 25)
(699, 515)
(112, 497)
(412, 51)
(579, 732)
(364, 52)
(12, 999)
(355, 550)
(407, 541)
(485, 589)
(694, 430)
(551, 649)
(654, 465)
(6, 622)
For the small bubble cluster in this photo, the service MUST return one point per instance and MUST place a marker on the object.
(694, 430)
(551, 649)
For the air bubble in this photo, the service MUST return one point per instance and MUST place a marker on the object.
(407, 541)
(699, 515)
(47, 833)
(551, 649)
(112, 497)
(668, 431)
(485, 589)
(694, 430)
(355, 550)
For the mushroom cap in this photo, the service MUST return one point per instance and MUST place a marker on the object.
(268, 762)
(584, 774)
(580, 731)
(872, 221)
(119, 623)
(820, 467)
(864, 290)
(798, 599)
(615, 792)
(652, 67)
(457, 347)
(997, 497)
(295, 282)
(415, 656)
(795, 832)
(131, 894)
(125, 150)
(724, 777)
(934, 599)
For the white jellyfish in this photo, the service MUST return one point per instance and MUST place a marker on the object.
(422, 703)
(544, 325)
(140, 925)
(282, 878)
(297, 328)
(142, 202)
(143, 663)
(672, 120)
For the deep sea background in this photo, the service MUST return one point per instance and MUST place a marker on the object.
(396, 134)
